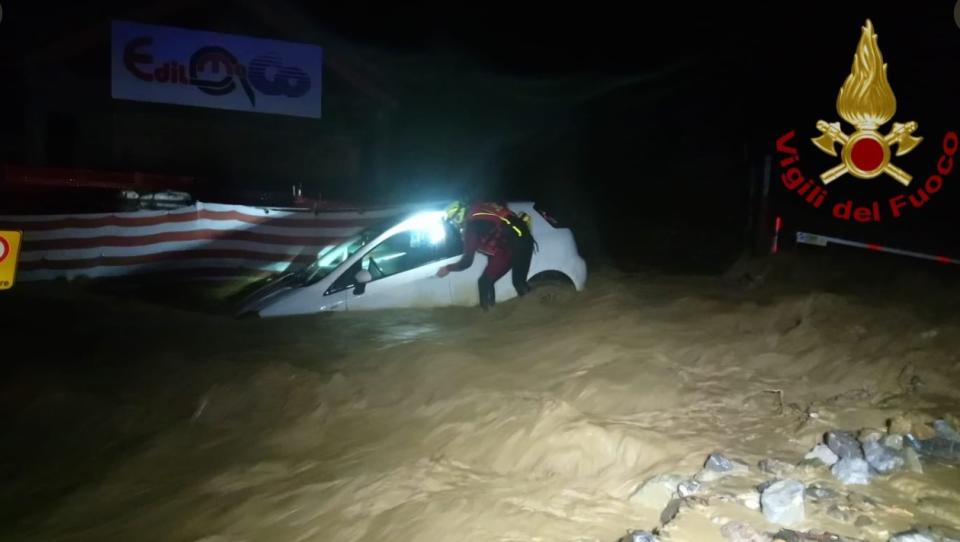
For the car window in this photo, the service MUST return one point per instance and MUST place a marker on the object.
(345, 280)
(410, 249)
(403, 251)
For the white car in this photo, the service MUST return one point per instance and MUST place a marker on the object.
(395, 266)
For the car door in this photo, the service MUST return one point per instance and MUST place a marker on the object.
(403, 268)
(464, 290)
(463, 284)
(305, 300)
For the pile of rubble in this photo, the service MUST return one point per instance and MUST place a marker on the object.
(852, 458)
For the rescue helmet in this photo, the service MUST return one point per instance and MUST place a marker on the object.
(457, 212)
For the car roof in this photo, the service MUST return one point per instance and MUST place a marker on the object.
(440, 206)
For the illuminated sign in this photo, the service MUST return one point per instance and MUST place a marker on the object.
(204, 69)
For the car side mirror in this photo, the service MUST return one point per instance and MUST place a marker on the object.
(362, 278)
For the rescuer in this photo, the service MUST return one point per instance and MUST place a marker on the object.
(499, 233)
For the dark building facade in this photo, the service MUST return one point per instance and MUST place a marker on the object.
(58, 111)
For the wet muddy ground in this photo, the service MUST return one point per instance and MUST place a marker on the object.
(128, 420)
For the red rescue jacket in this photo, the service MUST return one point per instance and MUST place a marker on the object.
(487, 229)
(500, 218)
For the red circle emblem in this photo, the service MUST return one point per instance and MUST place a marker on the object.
(867, 154)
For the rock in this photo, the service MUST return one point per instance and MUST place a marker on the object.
(937, 447)
(893, 441)
(670, 511)
(818, 493)
(844, 444)
(688, 487)
(719, 466)
(782, 503)
(912, 461)
(882, 458)
(657, 491)
(869, 435)
(921, 425)
(852, 471)
(786, 535)
(952, 420)
(822, 453)
(718, 463)
(899, 424)
(912, 536)
(735, 531)
(923, 431)
(863, 521)
(763, 486)
(945, 430)
(750, 500)
(638, 536)
(775, 467)
(944, 534)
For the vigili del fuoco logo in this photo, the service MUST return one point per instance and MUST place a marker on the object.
(866, 101)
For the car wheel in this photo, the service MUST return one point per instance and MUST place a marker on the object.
(552, 287)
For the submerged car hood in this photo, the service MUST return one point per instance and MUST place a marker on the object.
(266, 292)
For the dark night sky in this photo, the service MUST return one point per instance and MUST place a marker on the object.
(793, 39)
(765, 50)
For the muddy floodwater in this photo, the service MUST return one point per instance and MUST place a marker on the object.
(125, 420)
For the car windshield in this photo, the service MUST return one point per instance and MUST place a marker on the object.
(331, 257)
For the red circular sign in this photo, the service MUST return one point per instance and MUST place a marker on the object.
(4, 249)
(867, 154)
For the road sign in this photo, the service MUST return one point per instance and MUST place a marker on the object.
(9, 252)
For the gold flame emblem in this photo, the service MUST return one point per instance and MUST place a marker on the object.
(867, 102)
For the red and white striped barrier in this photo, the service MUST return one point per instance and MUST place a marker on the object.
(205, 239)
(824, 240)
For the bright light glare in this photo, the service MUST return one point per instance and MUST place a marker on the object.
(430, 223)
